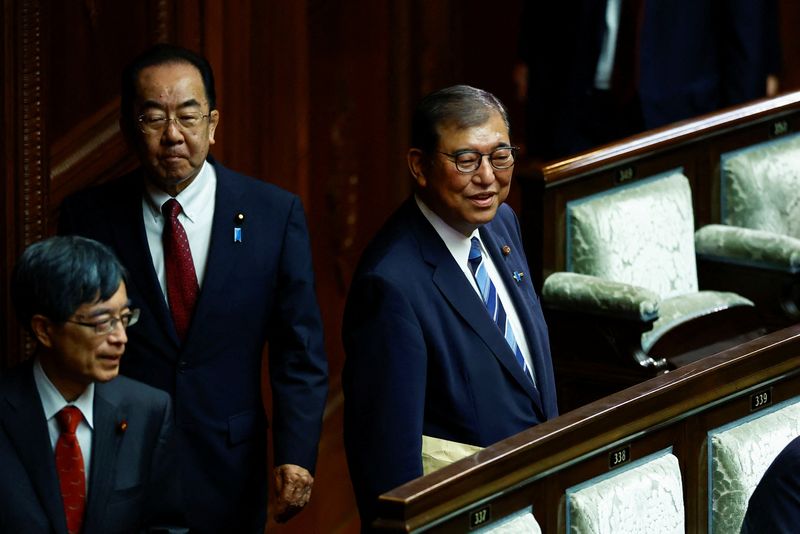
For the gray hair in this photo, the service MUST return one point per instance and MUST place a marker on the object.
(462, 105)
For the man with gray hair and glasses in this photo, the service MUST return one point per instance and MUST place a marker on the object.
(81, 449)
(446, 344)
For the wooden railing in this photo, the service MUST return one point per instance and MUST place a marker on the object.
(534, 468)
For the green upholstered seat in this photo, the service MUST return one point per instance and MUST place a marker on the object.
(745, 245)
(645, 498)
(738, 455)
(634, 249)
(759, 206)
(759, 187)
(757, 248)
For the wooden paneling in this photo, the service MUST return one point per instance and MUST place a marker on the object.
(790, 44)
(25, 185)
(315, 96)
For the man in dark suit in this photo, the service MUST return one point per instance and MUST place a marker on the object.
(112, 470)
(220, 264)
(774, 506)
(426, 354)
(600, 70)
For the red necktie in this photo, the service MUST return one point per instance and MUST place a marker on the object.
(182, 285)
(69, 463)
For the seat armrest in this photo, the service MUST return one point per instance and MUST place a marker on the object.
(746, 246)
(575, 292)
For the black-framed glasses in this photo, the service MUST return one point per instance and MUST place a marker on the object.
(106, 326)
(501, 158)
(156, 123)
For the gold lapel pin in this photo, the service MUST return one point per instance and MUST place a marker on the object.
(506, 250)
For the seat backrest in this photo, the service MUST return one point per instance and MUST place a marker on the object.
(516, 523)
(738, 455)
(647, 496)
(640, 234)
(759, 186)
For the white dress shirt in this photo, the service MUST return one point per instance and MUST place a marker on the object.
(197, 215)
(459, 245)
(52, 403)
(608, 50)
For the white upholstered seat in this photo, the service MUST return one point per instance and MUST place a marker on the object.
(645, 498)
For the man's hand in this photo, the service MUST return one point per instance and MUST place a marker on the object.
(292, 489)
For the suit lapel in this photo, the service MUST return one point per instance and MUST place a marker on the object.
(221, 250)
(130, 241)
(105, 444)
(27, 430)
(507, 270)
(449, 279)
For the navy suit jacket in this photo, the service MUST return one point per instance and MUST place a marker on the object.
(132, 483)
(695, 56)
(424, 357)
(257, 290)
(774, 506)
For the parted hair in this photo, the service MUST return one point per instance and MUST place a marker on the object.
(461, 105)
(55, 276)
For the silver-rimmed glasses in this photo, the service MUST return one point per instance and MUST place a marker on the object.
(108, 325)
(156, 123)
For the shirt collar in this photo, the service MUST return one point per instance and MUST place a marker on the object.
(457, 243)
(192, 199)
(53, 401)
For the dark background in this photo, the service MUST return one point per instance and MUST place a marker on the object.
(315, 96)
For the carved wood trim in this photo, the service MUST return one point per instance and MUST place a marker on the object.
(33, 168)
(91, 152)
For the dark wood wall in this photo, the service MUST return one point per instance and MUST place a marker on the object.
(314, 96)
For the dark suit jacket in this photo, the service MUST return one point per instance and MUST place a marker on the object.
(424, 357)
(258, 290)
(695, 57)
(132, 483)
(774, 506)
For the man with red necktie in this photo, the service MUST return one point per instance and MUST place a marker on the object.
(81, 450)
(220, 264)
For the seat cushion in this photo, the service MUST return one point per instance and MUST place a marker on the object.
(645, 498)
(677, 310)
(739, 455)
(759, 185)
(640, 234)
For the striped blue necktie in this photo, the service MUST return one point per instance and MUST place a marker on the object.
(492, 302)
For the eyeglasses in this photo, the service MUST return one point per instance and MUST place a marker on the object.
(156, 123)
(107, 326)
(501, 158)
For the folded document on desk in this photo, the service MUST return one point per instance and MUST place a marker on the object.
(437, 453)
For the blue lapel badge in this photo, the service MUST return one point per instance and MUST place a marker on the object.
(518, 275)
(238, 222)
